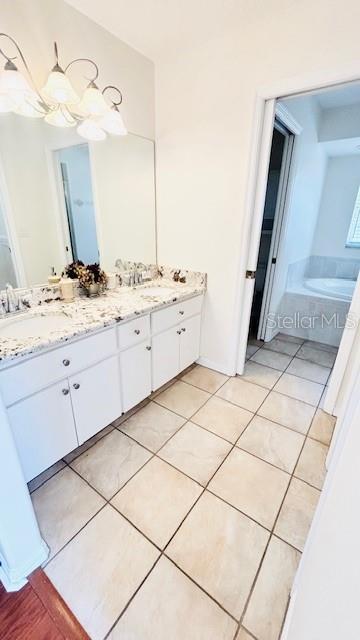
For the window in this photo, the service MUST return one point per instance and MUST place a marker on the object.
(353, 238)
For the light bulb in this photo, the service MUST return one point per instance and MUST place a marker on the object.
(58, 88)
(14, 88)
(90, 130)
(112, 122)
(60, 117)
(93, 102)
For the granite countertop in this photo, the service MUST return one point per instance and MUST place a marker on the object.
(91, 314)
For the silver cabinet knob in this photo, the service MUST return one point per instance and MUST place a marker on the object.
(137, 331)
(179, 331)
(65, 392)
(183, 329)
(76, 385)
(148, 348)
(181, 313)
(66, 362)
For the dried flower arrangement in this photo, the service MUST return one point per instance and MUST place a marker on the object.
(91, 277)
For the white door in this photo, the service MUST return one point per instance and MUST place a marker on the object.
(135, 367)
(96, 397)
(165, 356)
(281, 199)
(189, 341)
(43, 428)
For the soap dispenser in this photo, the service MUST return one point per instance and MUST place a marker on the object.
(53, 277)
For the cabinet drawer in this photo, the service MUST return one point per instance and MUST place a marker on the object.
(134, 331)
(23, 379)
(165, 318)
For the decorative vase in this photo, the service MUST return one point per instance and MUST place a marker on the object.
(93, 290)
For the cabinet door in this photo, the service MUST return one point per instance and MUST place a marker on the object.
(135, 367)
(43, 428)
(96, 397)
(189, 341)
(165, 356)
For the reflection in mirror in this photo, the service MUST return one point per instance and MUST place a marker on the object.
(73, 200)
(7, 270)
(77, 203)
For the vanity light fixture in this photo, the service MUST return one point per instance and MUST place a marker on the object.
(58, 103)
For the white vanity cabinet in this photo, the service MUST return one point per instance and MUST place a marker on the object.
(96, 398)
(43, 428)
(58, 399)
(179, 346)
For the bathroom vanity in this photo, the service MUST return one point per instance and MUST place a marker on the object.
(110, 355)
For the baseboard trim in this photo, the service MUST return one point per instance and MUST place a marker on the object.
(15, 579)
(210, 364)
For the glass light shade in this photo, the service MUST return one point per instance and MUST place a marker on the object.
(93, 102)
(58, 89)
(30, 110)
(90, 130)
(6, 104)
(15, 87)
(112, 122)
(60, 117)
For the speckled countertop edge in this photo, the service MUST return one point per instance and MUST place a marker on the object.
(92, 314)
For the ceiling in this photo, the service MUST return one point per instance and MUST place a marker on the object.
(159, 27)
(342, 96)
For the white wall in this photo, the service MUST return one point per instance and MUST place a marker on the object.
(205, 100)
(341, 185)
(36, 25)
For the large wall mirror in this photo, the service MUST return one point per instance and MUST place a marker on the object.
(63, 199)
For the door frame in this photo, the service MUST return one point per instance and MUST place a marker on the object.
(264, 115)
(281, 208)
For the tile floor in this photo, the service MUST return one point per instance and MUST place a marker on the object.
(188, 518)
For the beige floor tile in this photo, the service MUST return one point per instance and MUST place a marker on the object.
(63, 505)
(322, 426)
(311, 465)
(243, 635)
(272, 359)
(282, 346)
(111, 462)
(309, 370)
(287, 411)
(251, 485)
(244, 394)
(258, 374)
(297, 513)
(183, 398)
(89, 443)
(125, 416)
(223, 418)
(300, 389)
(255, 343)
(170, 606)
(165, 386)
(321, 345)
(272, 442)
(250, 350)
(205, 379)
(35, 483)
(221, 550)
(196, 452)
(157, 499)
(100, 569)
(294, 339)
(267, 606)
(152, 426)
(319, 356)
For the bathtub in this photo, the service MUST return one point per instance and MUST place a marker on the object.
(336, 288)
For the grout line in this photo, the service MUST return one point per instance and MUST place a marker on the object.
(204, 488)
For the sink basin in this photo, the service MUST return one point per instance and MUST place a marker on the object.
(32, 326)
(157, 291)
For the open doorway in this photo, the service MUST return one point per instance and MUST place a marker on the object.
(77, 203)
(312, 280)
(276, 189)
